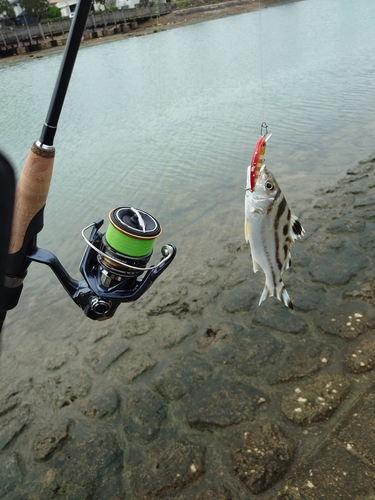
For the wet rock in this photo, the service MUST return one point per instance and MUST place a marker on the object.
(62, 390)
(331, 473)
(241, 298)
(102, 403)
(216, 333)
(308, 297)
(346, 226)
(172, 331)
(137, 326)
(213, 491)
(249, 353)
(181, 376)
(12, 395)
(236, 276)
(12, 425)
(300, 257)
(347, 320)
(10, 474)
(261, 457)
(365, 202)
(221, 261)
(358, 433)
(105, 353)
(361, 356)
(222, 402)
(360, 289)
(200, 299)
(315, 399)
(279, 317)
(50, 439)
(143, 414)
(89, 460)
(169, 302)
(167, 468)
(60, 358)
(304, 359)
(202, 277)
(135, 364)
(337, 268)
(367, 239)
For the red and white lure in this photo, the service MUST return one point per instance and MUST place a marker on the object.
(257, 160)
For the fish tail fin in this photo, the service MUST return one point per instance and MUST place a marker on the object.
(279, 292)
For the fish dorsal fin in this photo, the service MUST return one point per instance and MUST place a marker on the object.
(296, 230)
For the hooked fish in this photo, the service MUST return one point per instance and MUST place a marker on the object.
(270, 229)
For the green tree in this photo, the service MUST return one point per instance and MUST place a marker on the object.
(7, 10)
(34, 8)
(53, 12)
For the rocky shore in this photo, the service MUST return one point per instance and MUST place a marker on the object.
(188, 12)
(201, 394)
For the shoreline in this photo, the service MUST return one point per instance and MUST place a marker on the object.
(176, 19)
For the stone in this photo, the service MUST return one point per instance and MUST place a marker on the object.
(308, 298)
(261, 457)
(361, 356)
(250, 353)
(168, 468)
(50, 439)
(172, 331)
(202, 276)
(11, 395)
(143, 413)
(13, 425)
(60, 358)
(62, 390)
(279, 317)
(169, 302)
(331, 473)
(214, 334)
(337, 268)
(367, 238)
(103, 402)
(315, 399)
(135, 364)
(358, 434)
(241, 298)
(10, 474)
(138, 326)
(181, 376)
(301, 360)
(90, 460)
(221, 402)
(198, 300)
(365, 202)
(346, 319)
(105, 353)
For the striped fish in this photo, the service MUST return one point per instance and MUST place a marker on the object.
(270, 229)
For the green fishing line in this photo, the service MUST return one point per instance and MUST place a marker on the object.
(128, 245)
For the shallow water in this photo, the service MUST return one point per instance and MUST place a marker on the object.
(168, 123)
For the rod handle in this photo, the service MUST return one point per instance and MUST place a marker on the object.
(31, 192)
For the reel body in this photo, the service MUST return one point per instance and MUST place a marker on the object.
(110, 276)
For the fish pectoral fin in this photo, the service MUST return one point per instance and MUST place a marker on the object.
(255, 266)
(247, 231)
(279, 292)
(295, 228)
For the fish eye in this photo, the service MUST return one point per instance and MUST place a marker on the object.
(269, 185)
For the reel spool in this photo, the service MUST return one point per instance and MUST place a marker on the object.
(127, 245)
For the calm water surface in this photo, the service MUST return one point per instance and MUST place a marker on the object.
(168, 123)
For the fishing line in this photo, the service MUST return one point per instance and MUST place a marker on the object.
(261, 58)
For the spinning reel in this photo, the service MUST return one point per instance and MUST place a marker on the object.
(114, 265)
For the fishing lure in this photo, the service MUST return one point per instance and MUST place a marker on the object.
(257, 160)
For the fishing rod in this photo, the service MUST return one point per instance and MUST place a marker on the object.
(113, 262)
